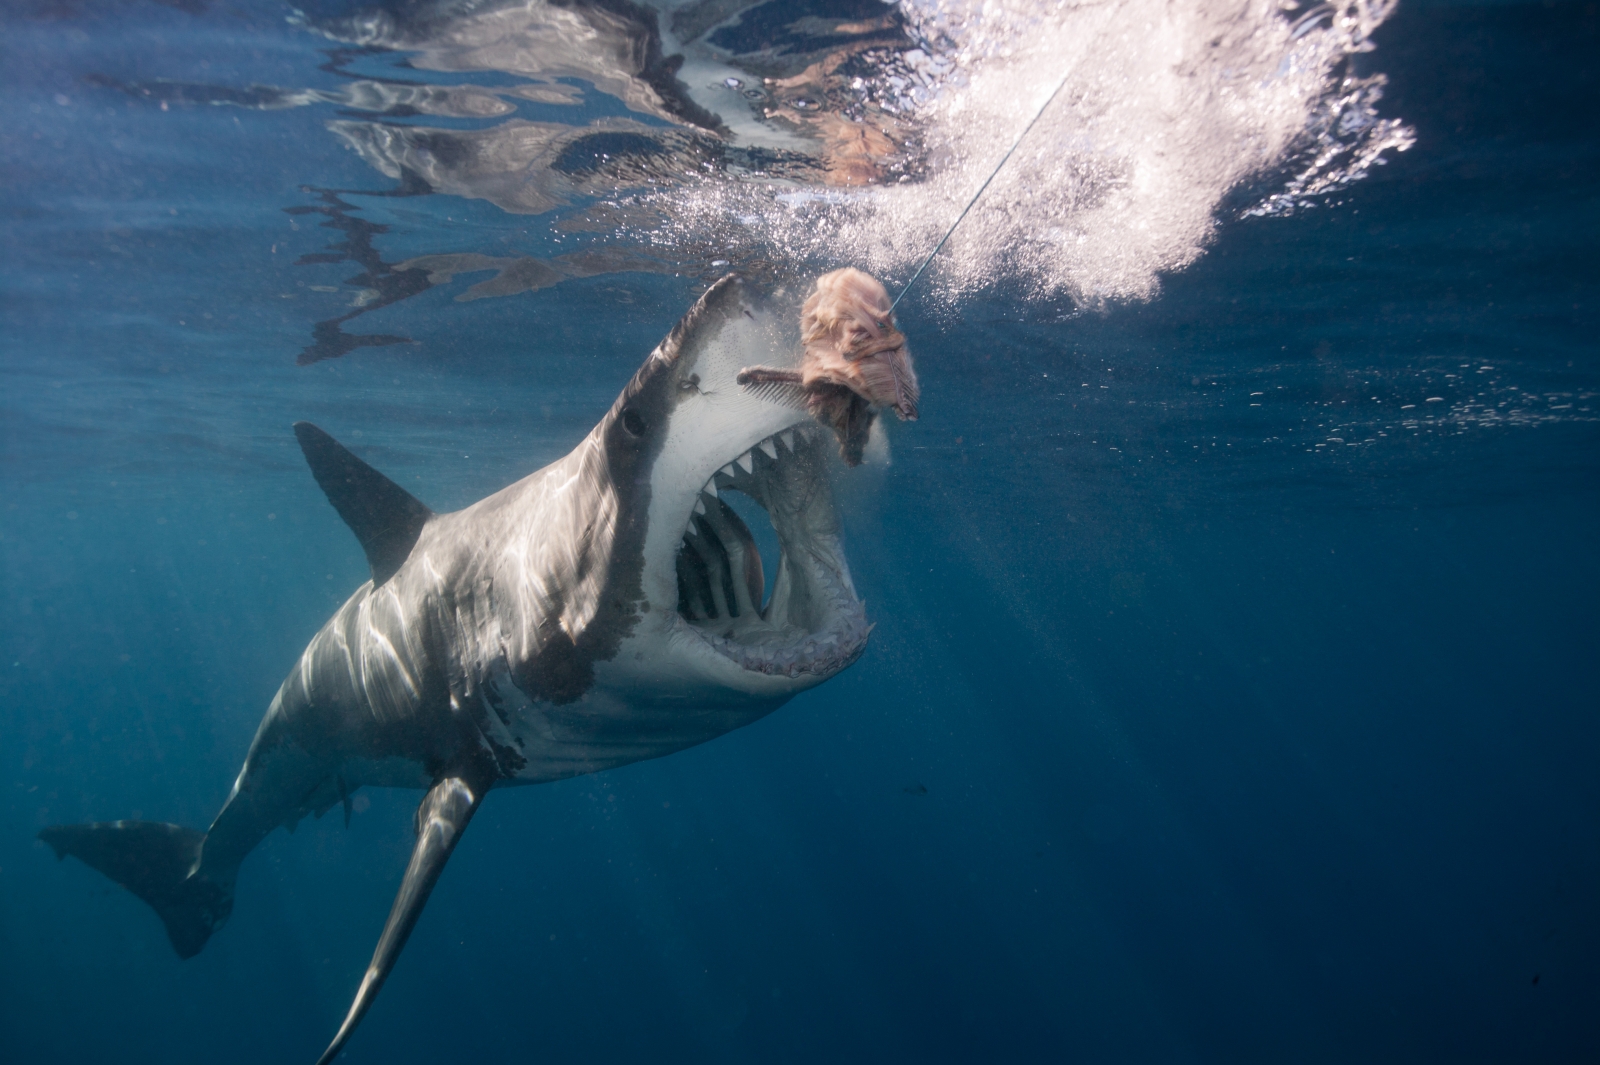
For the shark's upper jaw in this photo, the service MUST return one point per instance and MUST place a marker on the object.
(813, 625)
(702, 631)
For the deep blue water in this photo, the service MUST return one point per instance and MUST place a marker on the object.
(1191, 729)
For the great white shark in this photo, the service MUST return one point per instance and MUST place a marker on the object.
(603, 610)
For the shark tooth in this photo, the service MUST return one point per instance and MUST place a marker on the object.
(747, 462)
(770, 448)
(728, 469)
(787, 436)
(710, 489)
(699, 506)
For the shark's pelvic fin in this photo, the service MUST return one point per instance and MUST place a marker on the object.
(444, 813)
(385, 517)
(156, 862)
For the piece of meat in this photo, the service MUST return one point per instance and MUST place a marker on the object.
(855, 361)
(851, 340)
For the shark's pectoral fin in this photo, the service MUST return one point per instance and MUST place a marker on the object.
(385, 517)
(441, 818)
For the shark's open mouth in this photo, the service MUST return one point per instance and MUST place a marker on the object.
(813, 622)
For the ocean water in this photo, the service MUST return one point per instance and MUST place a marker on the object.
(1232, 696)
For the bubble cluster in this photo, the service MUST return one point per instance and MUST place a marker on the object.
(1171, 119)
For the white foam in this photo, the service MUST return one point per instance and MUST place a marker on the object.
(1167, 108)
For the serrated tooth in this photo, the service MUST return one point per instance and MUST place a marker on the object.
(787, 436)
(710, 489)
(770, 448)
(747, 462)
(699, 505)
(728, 469)
(690, 531)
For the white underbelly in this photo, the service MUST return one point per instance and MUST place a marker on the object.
(605, 729)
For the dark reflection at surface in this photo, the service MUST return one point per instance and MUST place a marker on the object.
(793, 89)
(790, 27)
(531, 167)
(382, 283)
(781, 92)
(822, 73)
(613, 44)
(588, 154)
(528, 274)
(391, 98)
(379, 284)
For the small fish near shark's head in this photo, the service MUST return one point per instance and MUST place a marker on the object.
(682, 435)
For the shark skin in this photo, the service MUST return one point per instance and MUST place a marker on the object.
(603, 610)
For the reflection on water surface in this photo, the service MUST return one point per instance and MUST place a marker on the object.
(781, 138)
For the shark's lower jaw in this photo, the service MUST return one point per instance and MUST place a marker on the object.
(813, 623)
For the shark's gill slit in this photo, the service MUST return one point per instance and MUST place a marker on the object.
(759, 522)
(694, 584)
(720, 570)
(806, 616)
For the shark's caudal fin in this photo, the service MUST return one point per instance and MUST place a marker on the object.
(444, 813)
(385, 517)
(155, 862)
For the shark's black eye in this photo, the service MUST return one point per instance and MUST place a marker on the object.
(633, 423)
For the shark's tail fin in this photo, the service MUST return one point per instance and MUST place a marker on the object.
(156, 862)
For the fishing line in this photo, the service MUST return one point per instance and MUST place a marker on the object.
(1014, 146)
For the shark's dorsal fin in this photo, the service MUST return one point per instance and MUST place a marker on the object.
(385, 517)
